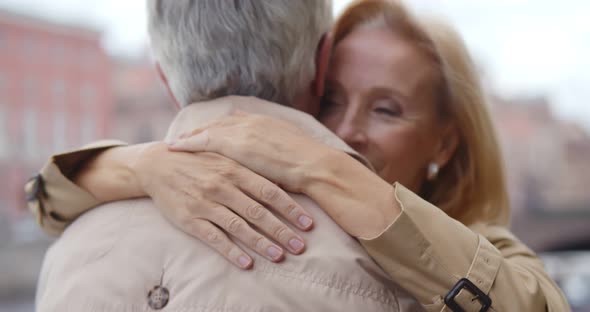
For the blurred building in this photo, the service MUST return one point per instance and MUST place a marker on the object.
(59, 90)
(55, 93)
(143, 109)
(548, 170)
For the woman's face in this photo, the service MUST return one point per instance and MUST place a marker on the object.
(381, 100)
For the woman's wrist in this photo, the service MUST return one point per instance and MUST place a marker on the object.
(140, 162)
(337, 172)
(360, 201)
(110, 175)
(319, 172)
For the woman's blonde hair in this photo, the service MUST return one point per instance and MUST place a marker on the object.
(471, 187)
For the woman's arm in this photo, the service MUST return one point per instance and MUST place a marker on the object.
(109, 175)
(358, 200)
(199, 193)
(428, 252)
(53, 197)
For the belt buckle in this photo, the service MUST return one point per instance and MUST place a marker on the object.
(464, 283)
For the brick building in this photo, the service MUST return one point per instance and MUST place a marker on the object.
(55, 93)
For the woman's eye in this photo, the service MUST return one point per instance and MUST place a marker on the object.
(387, 108)
(385, 111)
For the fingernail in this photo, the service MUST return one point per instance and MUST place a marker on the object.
(244, 261)
(304, 221)
(274, 252)
(171, 142)
(296, 244)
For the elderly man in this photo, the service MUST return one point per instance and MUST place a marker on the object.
(124, 256)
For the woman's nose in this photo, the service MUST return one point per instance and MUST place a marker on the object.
(351, 130)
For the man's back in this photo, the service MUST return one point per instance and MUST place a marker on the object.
(115, 257)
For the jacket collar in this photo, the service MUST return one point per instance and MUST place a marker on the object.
(199, 114)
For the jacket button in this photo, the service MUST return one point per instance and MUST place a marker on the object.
(158, 297)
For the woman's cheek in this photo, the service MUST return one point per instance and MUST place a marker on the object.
(401, 155)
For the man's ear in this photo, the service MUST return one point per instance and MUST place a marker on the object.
(165, 81)
(322, 60)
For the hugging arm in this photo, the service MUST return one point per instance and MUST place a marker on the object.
(200, 193)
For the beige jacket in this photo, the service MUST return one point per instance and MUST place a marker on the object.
(124, 256)
(423, 250)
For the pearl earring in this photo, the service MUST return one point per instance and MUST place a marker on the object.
(433, 170)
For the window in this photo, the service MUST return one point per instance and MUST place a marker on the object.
(88, 127)
(3, 86)
(58, 95)
(4, 145)
(29, 47)
(58, 87)
(58, 90)
(31, 90)
(88, 58)
(88, 96)
(30, 131)
(58, 53)
(3, 39)
(59, 131)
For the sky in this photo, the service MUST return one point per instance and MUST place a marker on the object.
(525, 47)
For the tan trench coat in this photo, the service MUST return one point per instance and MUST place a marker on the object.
(424, 250)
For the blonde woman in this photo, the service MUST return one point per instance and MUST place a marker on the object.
(403, 92)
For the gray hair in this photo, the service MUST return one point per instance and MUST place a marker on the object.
(213, 48)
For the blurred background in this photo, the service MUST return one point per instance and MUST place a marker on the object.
(74, 71)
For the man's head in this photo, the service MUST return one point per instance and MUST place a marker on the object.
(212, 48)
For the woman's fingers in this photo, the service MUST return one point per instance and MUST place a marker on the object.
(271, 195)
(199, 142)
(212, 124)
(240, 229)
(216, 239)
(213, 136)
(272, 148)
(265, 221)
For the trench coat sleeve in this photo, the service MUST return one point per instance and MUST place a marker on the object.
(428, 252)
(53, 198)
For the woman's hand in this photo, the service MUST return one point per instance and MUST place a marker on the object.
(206, 193)
(356, 198)
(271, 147)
